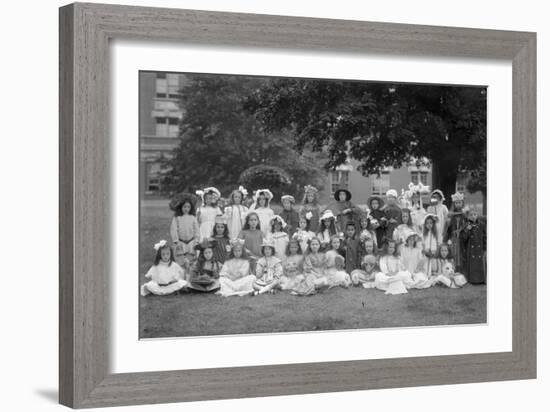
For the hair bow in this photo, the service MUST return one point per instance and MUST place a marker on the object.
(243, 191)
(160, 244)
(309, 215)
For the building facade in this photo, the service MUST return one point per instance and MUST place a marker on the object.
(159, 119)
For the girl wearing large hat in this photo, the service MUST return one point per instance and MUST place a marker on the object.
(262, 199)
(278, 236)
(377, 218)
(310, 208)
(207, 213)
(236, 212)
(344, 210)
(236, 278)
(327, 228)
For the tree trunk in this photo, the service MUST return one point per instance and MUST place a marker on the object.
(444, 175)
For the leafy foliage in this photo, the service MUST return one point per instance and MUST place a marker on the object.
(220, 140)
(380, 124)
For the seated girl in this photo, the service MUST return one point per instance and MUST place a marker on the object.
(367, 274)
(293, 278)
(315, 264)
(268, 270)
(235, 276)
(303, 234)
(414, 261)
(392, 277)
(335, 265)
(446, 274)
(166, 275)
(205, 271)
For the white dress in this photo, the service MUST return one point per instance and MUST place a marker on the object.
(236, 216)
(303, 237)
(392, 277)
(265, 214)
(280, 240)
(441, 212)
(414, 262)
(206, 218)
(235, 278)
(165, 279)
(334, 275)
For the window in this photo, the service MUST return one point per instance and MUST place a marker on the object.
(460, 187)
(381, 184)
(417, 177)
(153, 177)
(173, 85)
(167, 127)
(339, 179)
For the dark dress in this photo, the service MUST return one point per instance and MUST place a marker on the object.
(391, 212)
(474, 240)
(205, 276)
(315, 211)
(352, 254)
(381, 231)
(219, 247)
(342, 218)
(291, 219)
(456, 225)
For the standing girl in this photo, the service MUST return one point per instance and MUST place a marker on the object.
(262, 198)
(208, 211)
(220, 239)
(430, 243)
(440, 210)
(378, 219)
(457, 222)
(278, 237)
(418, 213)
(289, 214)
(365, 228)
(236, 212)
(474, 237)
(252, 236)
(310, 205)
(303, 235)
(235, 276)
(327, 228)
(166, 276)
(205, 271)
(343, 209)
(184, 228)
(268, 270)
(405, 226)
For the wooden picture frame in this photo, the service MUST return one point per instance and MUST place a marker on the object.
(85, 31)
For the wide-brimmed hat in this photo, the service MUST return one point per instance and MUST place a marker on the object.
(220, 219)
(392, 192)
(266, 192)
(337, 194)
(457, 197)
(327, 214)
(279, 219)
(310, 189)
(380, 201)
(268, 243)
(430, 215)
(438, 192)
(289, 198)
(205, 244)
(409, 233)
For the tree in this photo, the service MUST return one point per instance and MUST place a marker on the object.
(219, 139)
(266, 177)
(380, 124)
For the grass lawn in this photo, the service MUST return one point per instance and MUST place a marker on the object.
(195, 314)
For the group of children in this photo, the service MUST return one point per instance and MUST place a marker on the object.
(394, 244)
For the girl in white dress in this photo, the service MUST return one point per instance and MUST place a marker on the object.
(303, 235)
(235, 276)
(414, 261)
(166, 276)
(268, 270)
(438, 209)
(184, 228)
(392, 277)
(446, 274)
(206, 215)
(327, 229)
(262, 198)
(405, 226)
(236, 212)
(335, 265)
(430, 243)
(278, 237)
(366, 276)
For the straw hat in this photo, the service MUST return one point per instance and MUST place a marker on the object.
(327, 214)
(279, 219)
(438, 192)
(289, 198)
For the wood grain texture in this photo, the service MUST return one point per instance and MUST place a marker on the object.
(85, 31)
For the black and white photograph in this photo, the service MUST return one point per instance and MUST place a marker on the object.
(279, 204)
